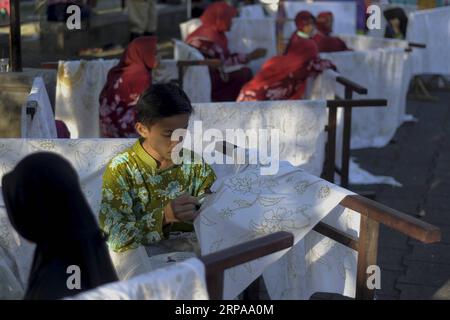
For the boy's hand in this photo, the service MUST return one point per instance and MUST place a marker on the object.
(183, 208)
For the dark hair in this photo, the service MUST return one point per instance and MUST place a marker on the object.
(162, 101)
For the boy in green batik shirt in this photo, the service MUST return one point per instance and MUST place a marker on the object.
(143, 191)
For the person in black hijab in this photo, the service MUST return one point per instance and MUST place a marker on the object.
(46, 206)
(397, 23)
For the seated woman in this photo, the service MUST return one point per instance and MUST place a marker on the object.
(211, 41)
(284, 77)
(46, 206)
(145, 195)
(326, 42)
(124, 85)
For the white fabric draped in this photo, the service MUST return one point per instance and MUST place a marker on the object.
(196, 79)
(78, 88)
(181, 281)
(247, 35)
(431, 27)
(186, 28)
(42, 124)
(300, 124)
(165, 72)
(382, 72)
(252, 11)
(80, 82)
(361, 43)
(248, 205)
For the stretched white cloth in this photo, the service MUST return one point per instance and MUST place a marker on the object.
(196, 79)
(186, 28)
(300, 125)
(165, 72)
(16, 255)
(344, 14)
(324, 87)
(360, 42)
(431, 27)
(248, 205)
(42, 124)
(181, 281)
(78, 88)
(247, 35)
(252, 11)
(382, 72)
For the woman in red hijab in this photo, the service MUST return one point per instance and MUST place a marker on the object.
(124, 85)
(284, 77)
(211, 41)
(326, 42)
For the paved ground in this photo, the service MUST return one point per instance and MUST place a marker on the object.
(418, 157)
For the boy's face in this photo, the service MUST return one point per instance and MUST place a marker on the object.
(309, 27)
(158, 135)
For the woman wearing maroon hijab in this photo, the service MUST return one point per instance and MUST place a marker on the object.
(284, 77)
(304, 21)
(124, 86)
(326, 42)
(211, 41)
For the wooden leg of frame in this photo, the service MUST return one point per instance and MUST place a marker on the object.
(367, 256)
(215, 285)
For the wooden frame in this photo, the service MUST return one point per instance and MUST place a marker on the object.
(372, 214)
(216, 263)
(15, 47)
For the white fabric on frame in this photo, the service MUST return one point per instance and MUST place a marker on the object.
(431, 27)
(181, 281)
(196, 79)
(252, 11)
(248, 205)
(344, 14)
(42, 125)
(360, 42)
(186, 28)
(165, 72)
(78, 88)
(247, 35)
(301, 126)
(382, 72)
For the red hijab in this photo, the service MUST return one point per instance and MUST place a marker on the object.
(294, 63)
(302, 19)
(326, 42)
(133, 71)
(324, 22)
(216, 20)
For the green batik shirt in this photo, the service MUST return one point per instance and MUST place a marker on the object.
(135, 192)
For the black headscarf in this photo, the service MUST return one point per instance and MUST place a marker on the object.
(46, 206)
(398, 13)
